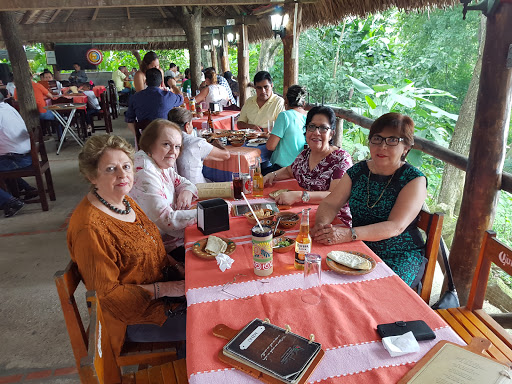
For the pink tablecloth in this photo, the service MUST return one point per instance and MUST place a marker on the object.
(98, 90)
(225, 120)
(248, 157)
(344, 322)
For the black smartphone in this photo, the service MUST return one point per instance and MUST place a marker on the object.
(419, 328)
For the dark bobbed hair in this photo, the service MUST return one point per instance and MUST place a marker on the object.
(172, 65)
(180, 116)
(151, 133)
(148, 59)
(210, 74)
(296, 96)
(262, 75)
(228, 75)
(187, 73)
(327, 112)
(402, 124)
(153, 77)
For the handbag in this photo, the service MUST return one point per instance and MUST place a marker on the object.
(448, 299)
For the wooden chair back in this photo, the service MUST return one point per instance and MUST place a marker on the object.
(40, 166)
(114, 99)
(492, 251)
(432, 225)
(105, 114)
(139, 127)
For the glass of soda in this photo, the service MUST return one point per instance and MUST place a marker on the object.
(238, 185)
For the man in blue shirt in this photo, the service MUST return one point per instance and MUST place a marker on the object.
(153, 102)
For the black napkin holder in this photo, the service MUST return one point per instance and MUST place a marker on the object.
(212, 216)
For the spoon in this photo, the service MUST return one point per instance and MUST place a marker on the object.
(277, 224)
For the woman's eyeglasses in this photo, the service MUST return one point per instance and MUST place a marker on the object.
(392, 141)
(321, 129)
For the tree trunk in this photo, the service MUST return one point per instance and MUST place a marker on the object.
(20, 69)
(136, 53)
(243, 64)
(266, 56)
(486, 156)
(190, 20)
(215, 61)
(224, 54)
(453, 178)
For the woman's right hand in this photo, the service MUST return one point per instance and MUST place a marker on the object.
(172, 288)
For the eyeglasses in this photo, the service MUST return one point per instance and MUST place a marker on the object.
(392, 141)
(321, 129)
(223, 289)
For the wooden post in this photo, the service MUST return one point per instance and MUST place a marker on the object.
(243, 64)
(190, 20)
(215, 61)
(486, 156)
(136, 53)
(291, 47)
(224, 54)
(338, 136)
(51, 47)
(20, 69)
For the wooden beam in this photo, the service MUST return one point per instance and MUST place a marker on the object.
(162, 12)
(57, 11)
(26, 17)
(243, 64)
(67, 16)
(17, 5)
(486, 155)
(41, 13)
(128, 13)
(95, 15)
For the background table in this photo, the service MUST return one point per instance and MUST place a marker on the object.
(224, 120)
(66, 124)
(98, 90)
(344, 322)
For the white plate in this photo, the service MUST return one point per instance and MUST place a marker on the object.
(257, 141)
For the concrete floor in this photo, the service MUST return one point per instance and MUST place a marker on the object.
(33, 247)
(33, 335)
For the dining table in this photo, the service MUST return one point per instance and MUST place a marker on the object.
(344, 321)
(223, 120)
(69, 109)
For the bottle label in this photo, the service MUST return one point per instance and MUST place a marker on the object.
(300, 252)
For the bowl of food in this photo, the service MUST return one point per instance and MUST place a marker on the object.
(288, 220)
(279, 232)
(261, 214)
(237, 142)
(282, 244)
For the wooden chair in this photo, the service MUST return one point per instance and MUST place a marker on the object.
(114, 99)
(432, 225)
(100, 367)
(139, 127)
(103, 114)
(472, 321)
(67, 282)
(40, 166)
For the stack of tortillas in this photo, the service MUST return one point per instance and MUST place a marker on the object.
(350, 260)
(215, 245)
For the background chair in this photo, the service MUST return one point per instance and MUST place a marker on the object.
(99, 366)
(67, 282)
(472, 321)
(114, 99)
(40, 165)
(104, 114)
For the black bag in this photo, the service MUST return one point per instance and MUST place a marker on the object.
(448, 299)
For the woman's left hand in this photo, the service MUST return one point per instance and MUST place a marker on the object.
(289, 198)
(184, 200)
(329, 235)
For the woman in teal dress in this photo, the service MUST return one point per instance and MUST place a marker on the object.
(385, 195)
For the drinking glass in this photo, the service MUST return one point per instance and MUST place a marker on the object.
(237, 185)
(312, 289)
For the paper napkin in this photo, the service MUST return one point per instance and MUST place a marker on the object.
(224, 261)
(401, 345)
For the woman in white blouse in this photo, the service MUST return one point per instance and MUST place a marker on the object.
(213, 92)
(164, 195)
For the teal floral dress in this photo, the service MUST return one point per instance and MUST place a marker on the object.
(402, 253)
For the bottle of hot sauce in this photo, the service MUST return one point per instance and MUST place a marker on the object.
(210, 121)
(303, 241)
(257, 180)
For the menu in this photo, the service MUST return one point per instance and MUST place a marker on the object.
(456, 365)
(283, 355)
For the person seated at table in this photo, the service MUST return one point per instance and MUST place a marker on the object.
(213, 92)
(119, 76)
(318, 168)
(187, 82)
(149, 61)
(385, 194)
(233, 84)
(265, 106)
(163, 194)
(10, 85)
(172, 71)
(78, 76)
(287, 137)
(14, 154)
(93, 105)
(153, 102)
(118, 249)
(222, 82)
(47, 77)
(195, 149)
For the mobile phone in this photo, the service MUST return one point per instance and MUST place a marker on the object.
(419, 328)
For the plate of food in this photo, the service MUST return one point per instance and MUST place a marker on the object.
(256, 142)
(211, 246)
(350, 262)
(274, 194)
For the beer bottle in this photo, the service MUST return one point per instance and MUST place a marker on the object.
(303, 241)
(210, 121)
(257, 180)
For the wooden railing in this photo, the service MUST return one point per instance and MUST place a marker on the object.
(423, 145)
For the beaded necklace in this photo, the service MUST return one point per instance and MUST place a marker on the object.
(368, 188)
(111, 207)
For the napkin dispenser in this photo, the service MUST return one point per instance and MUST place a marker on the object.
(215, 107)
(212, 216)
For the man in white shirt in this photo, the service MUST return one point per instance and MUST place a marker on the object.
(14, 154)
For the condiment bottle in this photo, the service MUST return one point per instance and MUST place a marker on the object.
(303, 241)
(210, 121)
(257, 180)
(192, 104)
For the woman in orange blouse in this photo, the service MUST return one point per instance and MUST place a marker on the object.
(119, 251)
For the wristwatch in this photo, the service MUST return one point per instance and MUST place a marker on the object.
(305, 196)
(354, 234)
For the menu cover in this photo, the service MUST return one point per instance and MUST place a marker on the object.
(241, 209)
(283, 355)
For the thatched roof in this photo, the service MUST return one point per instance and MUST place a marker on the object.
(152, 23)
